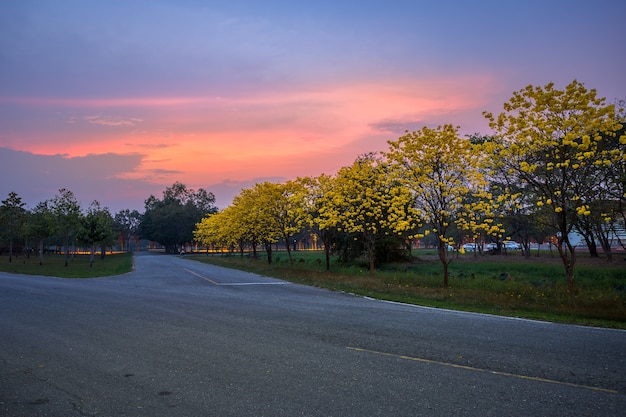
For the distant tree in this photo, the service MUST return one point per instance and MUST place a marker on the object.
(284, 206)
(325, 226)
(172, 220)
(553, 141)
(210, 231)
(127, 223)
(96, 228)
(66, 213)
(40, 226)
(254, 218)
(12, 217)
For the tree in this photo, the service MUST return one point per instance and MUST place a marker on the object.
(209, 233)
(441, 170)
(172, 220)
(255, 215)
(318, 191)
(40, 226)
(66, 213)
(12, 216)
(363, 201)
(97, 227)
(553, 142)
(284, 206)
(127, 223)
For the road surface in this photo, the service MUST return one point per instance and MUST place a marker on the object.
(180, 338)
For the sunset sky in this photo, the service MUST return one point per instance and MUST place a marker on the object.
(116, 100)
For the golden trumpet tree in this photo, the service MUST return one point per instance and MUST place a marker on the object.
(285, 208)
(441, 170)
(553, 142)
(362, 200)
(319, 192)
(220, 231)
(249, 218)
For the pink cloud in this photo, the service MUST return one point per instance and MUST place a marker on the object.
(277, 133)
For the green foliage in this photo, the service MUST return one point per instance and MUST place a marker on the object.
(96, 228)
(66, 214)
(12, 218)
(126, 223)
(39, 226)
(172, 220)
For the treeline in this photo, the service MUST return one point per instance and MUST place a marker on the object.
(555, 164)
(61, 222)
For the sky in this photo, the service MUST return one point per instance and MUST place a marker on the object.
(116, 100)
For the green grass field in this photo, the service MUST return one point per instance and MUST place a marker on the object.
(505, 285)
(78, 266)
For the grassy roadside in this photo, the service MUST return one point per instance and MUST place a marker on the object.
(501, 285)
(78, 266)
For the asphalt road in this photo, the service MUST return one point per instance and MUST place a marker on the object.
(180, 338)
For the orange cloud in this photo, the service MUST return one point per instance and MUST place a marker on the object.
(278, 133)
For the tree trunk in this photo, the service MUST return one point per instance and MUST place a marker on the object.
(605, 243)
(442, 251)
(568, 256)
(327, 251)
(591, 245)
(288, 249)
(92, 254)
(268, 250)
(67, 250)
(41, 252)
(253, 243)
(371, 256)
(326, 240)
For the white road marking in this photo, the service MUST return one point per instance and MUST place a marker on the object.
(204, 278)
(234, 284)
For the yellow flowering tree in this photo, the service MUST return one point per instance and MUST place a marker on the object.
(441, 170)
(324, 225)
(285, 208)
(364, 202)
(551, 142)
(221, 231)
(250, 220)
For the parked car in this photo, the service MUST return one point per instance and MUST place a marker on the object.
(470, 247)
(510, 245)
(491, 246)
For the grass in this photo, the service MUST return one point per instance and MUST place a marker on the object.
(532, 288)
(78, 265)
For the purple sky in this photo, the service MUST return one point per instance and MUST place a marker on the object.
(116, 100)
